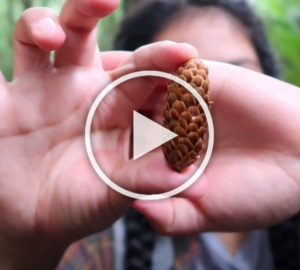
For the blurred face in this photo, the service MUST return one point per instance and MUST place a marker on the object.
(216, 34)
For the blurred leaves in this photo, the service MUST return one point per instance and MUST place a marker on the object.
(282, 20)
(281, 17)
(10, 11)
(109, 26)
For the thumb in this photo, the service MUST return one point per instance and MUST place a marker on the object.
(149, 174)
(174, 216)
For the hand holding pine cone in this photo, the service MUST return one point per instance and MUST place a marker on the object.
(184, 116)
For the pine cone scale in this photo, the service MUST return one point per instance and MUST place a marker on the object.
(184, 116)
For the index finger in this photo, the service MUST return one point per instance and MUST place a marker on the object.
(79, 19)
(131, 95)
(113, 59)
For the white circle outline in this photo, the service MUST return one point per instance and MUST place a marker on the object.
(124, 191)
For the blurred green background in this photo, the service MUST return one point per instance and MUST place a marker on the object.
(281, 18)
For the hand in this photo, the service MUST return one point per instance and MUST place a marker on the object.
(253, 179)
(49, 194)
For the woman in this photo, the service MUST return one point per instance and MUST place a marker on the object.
(226, 31)
(50, 197)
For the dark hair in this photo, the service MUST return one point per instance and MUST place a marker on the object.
(139, 242)
(141, 25)
(139, 28)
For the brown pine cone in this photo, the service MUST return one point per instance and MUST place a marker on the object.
(184, 116)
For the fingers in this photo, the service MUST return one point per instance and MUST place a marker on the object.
(113, 59)
(79, 19)
(164, 56)
(174, 216)
(37, 32)
(134, 174)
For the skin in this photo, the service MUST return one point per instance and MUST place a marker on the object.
(250, 149)
(208, 27)
(49, 194)
(216, 35)
(53, 197)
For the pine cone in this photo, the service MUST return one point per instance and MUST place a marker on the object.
(184, 116)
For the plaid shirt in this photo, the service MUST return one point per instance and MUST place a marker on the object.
(97, 251)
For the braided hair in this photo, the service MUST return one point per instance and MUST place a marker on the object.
(139, 241)
(139, 28)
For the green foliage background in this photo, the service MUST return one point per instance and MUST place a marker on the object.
(281, 17)
(282, 20)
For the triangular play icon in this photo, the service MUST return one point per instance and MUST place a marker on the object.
(148, 135)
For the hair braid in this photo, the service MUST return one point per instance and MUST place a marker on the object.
(285, 242)
(139, 241)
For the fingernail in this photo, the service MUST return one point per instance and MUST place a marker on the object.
(46, 25)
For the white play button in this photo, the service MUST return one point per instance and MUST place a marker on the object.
(148, 135)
